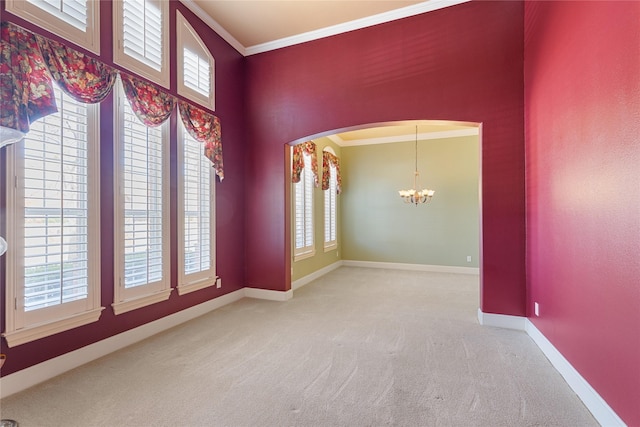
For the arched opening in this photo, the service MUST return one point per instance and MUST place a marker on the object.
(374, 226)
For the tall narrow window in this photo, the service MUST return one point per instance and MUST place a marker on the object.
(141, 37)
(303, 212)
(53, 266)
(330, 210)
(141, 203)
(196, 78)
(75, 20)
(196, 195)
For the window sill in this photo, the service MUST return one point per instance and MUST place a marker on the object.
(35, 332)
(331, 247)
(135, 303)
(304, 255)
(196, 286)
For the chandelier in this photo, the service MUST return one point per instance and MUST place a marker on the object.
(416, 196)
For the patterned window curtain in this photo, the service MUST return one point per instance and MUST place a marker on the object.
(204, 127)
(309, 148)
(329, 159)
(150, 104)
(84, 78)
(26, 91)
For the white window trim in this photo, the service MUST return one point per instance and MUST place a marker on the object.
(309, 250)
(162, 77)
(125, 300)
(183, 30)
(331, 244)
(193, 282)
(89, 39)
(16, 332)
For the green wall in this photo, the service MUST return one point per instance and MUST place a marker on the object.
(378, 226)
(321, 258)
(373, 222)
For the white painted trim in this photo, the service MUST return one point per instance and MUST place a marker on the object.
(215, 26)
(404, 12)
(268, 294)
(598, 407)
(502, 321)
(356, 24)
(297, 284)
(471, 131)
(41, 372)
(413, 267)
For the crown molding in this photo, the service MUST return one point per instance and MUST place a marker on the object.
(472, 131)
(404, 12)
(215, 26)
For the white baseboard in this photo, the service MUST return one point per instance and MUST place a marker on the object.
(502, 321)
(21, 380)
(268, 294)
(415, 267)
(598, 407)
(297, 284)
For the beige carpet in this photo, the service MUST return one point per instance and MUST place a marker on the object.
(358, 347)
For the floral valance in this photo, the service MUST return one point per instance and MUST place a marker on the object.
(26, 92)
(150, 104)
(204, 127)
(80, 76)
(28, 62)
(299, 150)
(329, 159)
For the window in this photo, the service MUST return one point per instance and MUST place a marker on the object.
(53, 266)
(330, 209)
(75, 20)
(141, 37)
(195, 65)
(196, 195)
(141, 210)
(303, 212)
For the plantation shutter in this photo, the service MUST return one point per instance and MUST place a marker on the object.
(73, 12)
(142, 32)
(143, 201)
(56, 211)
(197, 207)
(304, 208)
(330, 207)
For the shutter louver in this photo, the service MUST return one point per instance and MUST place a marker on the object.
(142, 28)
(304, 209)
(56, 212)
(197, 207)
(143, 202)
(73, 12)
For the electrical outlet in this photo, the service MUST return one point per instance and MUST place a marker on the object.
(218, 282)
(536, 309)
(468, 258)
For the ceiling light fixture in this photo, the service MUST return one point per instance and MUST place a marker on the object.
(416, 196)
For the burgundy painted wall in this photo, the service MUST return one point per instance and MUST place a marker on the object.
(460, 63)
(229, 205)
(582, 93)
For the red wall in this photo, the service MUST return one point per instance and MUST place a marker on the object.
(229, 206)
(582, 114)
(460, 63)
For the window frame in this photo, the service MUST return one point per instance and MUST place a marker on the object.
(306, 182)
(22, 327)
(58, 25)
(161, 77)
(206, 278)
(125, 300)
(184, 30)
(331, 194)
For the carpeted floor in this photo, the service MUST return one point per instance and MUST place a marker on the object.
(357, 347)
